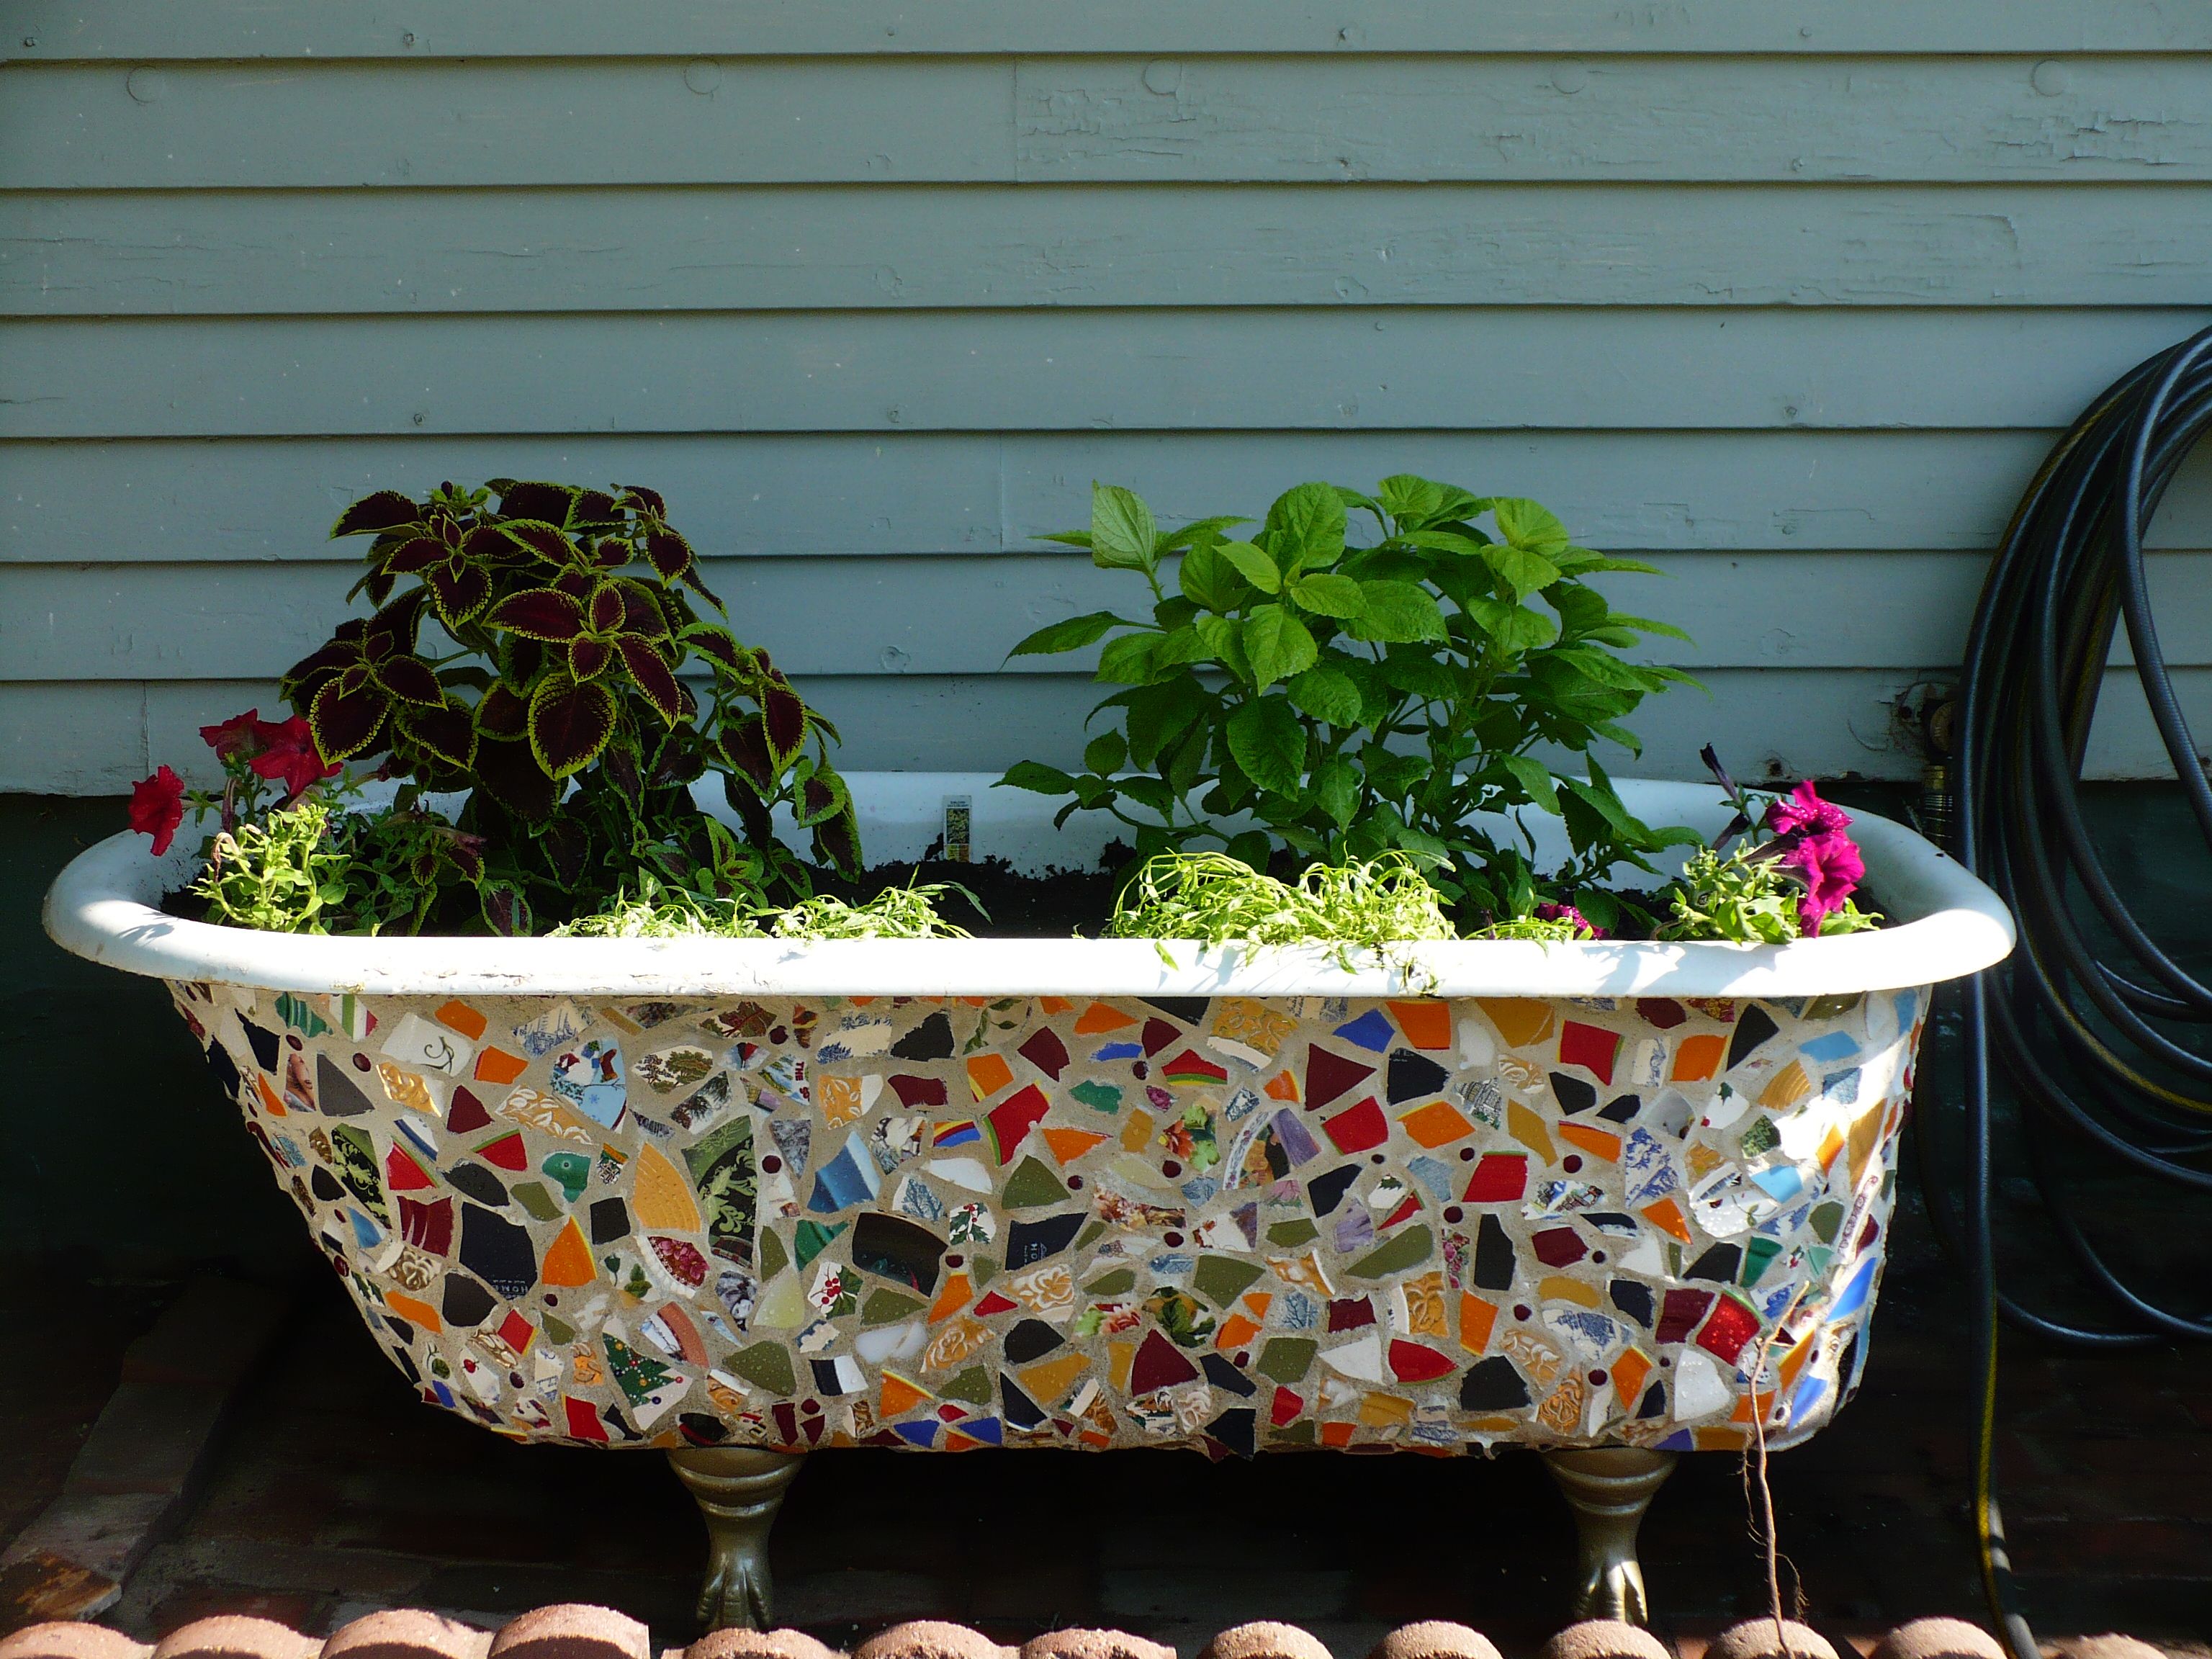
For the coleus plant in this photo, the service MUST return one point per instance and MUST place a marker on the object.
(1354, 700)
(530, 651)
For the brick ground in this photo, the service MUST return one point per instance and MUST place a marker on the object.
(338, 1493)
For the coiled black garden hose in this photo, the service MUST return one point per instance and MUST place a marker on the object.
(2090, 1033)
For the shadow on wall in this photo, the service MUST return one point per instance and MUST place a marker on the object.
(120, 1156)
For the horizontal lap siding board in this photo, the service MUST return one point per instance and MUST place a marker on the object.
(1789, 297)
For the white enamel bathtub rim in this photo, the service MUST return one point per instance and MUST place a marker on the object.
(104, 907)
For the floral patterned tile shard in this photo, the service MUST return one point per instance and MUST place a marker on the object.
(1231, 1225)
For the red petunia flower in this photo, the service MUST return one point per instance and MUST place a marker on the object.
(289, 754)
(237, 736)
(157, 807)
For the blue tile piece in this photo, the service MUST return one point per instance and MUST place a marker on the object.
(1372, 1030)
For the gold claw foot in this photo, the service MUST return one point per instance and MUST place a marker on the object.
(738, 1489)
(1609, 1487)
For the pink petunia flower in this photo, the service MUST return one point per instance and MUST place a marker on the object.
(157, 807)
(1830, 864)
(1549, 912)
(1803, 813)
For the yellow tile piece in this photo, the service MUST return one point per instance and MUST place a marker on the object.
(660, 1197)
(1520, 1020)
(1525, 1127)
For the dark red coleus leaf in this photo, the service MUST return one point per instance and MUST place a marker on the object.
(515, 778)
(409, 679)
(744, 747)
(569, 723)
(416, 554)
(501, 712)
(818, 797)
(605, 609)
(670, 554)
(593, 508)
(538, 613)
(579, 585)
(838, 840)
(460, 592)
(620, 768)
(348, 713)
(639, 496)
(447, 733)
(588, 658)
(651, 674)
(785, 724)
(386, 509)
(548, 503)
(506, 911)
(719, 645)
(641, 612)
(611, 553)
(544, 540)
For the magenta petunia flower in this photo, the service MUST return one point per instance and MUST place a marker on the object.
(1803, 813)
(1548, 912)
(1830, 864)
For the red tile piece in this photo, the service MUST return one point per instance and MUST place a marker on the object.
(1044, 1050)
(1285, 1408)
(1499, 1178)
(1558, 1247)
(1157, 1034)
(466, 1113)
(1678, 1314)
(1359, 1127)
(402, 1174)
(1416, 1362)
(918, 1090)
(1590, 1047)
(583, 1419)
(1663, 1013)
(1159, 1365)
(995, 1303)
(1330, 1077)
(1731, 1326)
(508, 1152)
(1015, 1116)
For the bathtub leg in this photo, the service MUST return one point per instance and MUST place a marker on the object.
(1609, 1487)
(738, 1489)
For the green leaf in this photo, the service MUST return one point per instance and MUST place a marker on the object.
(1397, 613)
(1421, 674)
(1105, 753)
(1038, 778)
(1122, 534)
(1530, 526)
(1327, 693)
(1604, 667)
(1645, 625)
(1070, 634)
(1226, 641)
(1277, 645)
(1129, 660)
(1327, 594)
(1158, 714)
(1184, 645)
(1336, 789)
(1516, 628)
(1520, 569)
(1255, 567)
(1199, 533)
(1269, 743)
(1535, 779)
(1209, 579)
(1307, 527)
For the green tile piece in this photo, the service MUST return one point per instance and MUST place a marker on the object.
(1759, 1254)
(812, 1239)
(768, 1365)
(1031, 1186)
(885, 1306)
(1119, 1282)
(1100, 1096)
(1397, 1255)
(1759, 1137)
(1287, 1358)
(1090, 1235)
(774, 1257)
(1289, 1235)
(982, 1270)
(1222, 1278)
(533, 1197)
(558, 1329)
(972, 1385)
(1300, 1433)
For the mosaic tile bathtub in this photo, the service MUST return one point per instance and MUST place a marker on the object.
(1226, 1223)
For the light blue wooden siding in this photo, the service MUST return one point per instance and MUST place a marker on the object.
(1789, 297)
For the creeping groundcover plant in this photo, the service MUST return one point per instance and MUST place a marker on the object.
(1314, 737)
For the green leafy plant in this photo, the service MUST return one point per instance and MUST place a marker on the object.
(659, 911)
(282, 874)
(1795, 883)
(1353, 700)
(1217, 899)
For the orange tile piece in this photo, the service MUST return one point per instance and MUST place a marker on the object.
(1338, 1434)
(1520, 1020)
(568, 1259)
(1427, 1024)
(1742, 1411)
(1698, 1057)
(1558, 1287)
(660, 1197)
(1055, 1005)
(497, 1065)
(1631, 1371)
(1786, 1088)
(1598, 1143)
(1068, 1145)
(987, 1073)
(1525, 1127)
(1102, 1016)
(268, 1101)
(1283, 1086)
(1385, 1411)
(1476, 1317)
(1436, 1124)
(418, 1313)
(1257, 1302)
(1050, 1379)
(1785, 1375)
(1119, 1357)
(1667, 1216)
(899, 1396)
(459, 1016)
(1137, 1133)
(1720, 1439)
(952, 1298)
(1236, 1331)
(1866, 1135)
(1831, 1143)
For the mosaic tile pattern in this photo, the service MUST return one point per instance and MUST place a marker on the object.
(1231, 1225)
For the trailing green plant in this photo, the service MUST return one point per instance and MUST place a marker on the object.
(1796, 883)
(659, 911)
(530, 654)
(282, 874)
(1217, 899)
(1350, 701)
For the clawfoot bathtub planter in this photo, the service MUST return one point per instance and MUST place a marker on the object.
(738, 1200)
